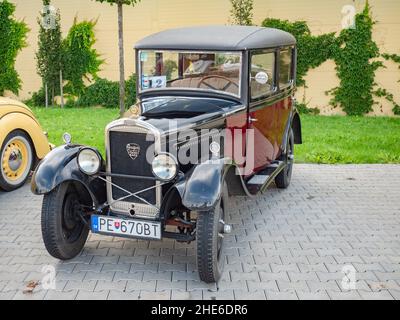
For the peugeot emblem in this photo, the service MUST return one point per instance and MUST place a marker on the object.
(133, 150)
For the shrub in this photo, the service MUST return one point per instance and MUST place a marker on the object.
(38, 99)
(102, 93)
(303, 109)
(131, 90)
(105, 93)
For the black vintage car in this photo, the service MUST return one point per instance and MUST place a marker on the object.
(215, 118)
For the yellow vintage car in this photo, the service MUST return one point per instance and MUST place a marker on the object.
(22, 143)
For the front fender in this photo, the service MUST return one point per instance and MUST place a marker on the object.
(202, 187)
(60, 165)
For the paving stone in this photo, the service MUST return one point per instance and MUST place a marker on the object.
(194, 276)
(35, 295)
(115, 268)
(61, 295)
(147, 276)
(281, 241)
(85, 295)
(141, 286)
(120, 295)
(349, 295)
(137, 276)
(266, 276)
(162, 295)
(183, 295)
(84, 285)
(163, 285)
(104, 285)
(218, 295)
(99, 276)
(382, 295)
(321, 295)
(246, 295)
(287, 295)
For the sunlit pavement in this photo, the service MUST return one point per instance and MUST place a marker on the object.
(334, 234)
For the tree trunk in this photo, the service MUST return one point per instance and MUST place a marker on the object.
(52, 96)
(61, 89)
(46, 92)
(121, 60)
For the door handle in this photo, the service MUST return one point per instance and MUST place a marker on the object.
(251, 120)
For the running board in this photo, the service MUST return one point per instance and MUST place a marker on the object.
(260, 181)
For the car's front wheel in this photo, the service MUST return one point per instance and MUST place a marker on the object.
(210, 235)
(63, 228)
(16, 160)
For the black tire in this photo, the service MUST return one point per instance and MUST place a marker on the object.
(210, 257)
(63, 231)
(9, 181)
(283, 179)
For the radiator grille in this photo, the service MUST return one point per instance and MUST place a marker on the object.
(122, 163)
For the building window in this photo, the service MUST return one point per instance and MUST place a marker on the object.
(262, 74)
(285, 68)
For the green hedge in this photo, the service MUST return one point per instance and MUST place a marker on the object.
(102, 92)
(105, 93)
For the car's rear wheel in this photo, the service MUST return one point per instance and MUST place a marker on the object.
(16, 160)
(210, 235)
(63, 228)
(283, 179)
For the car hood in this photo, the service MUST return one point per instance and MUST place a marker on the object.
(171, 113)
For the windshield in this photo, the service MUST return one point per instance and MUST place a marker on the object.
(212, 71)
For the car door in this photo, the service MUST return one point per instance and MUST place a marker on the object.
(286, 83)
(262, 137)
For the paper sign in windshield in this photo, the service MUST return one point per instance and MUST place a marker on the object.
(154, 82)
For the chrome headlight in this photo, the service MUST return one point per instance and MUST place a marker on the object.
(165, 166)
(89, 161)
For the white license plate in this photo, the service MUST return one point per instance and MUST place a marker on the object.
(126, 227)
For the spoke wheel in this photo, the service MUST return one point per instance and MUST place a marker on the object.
(210, 242)
(16, 160)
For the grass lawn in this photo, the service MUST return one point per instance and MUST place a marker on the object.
(334, 139)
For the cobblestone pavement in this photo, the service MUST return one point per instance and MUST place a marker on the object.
(291, 244)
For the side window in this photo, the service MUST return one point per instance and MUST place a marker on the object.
(285, 67)
(262, 74)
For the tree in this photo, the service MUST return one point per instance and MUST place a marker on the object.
(49, 54)
(242, 12)
(120, 4)
(12, 39)
(80, 59)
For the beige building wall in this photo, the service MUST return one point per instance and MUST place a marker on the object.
(151, 16)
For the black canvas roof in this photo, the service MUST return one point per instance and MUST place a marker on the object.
(226, 38)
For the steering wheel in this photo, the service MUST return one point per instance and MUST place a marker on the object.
(203, 82)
